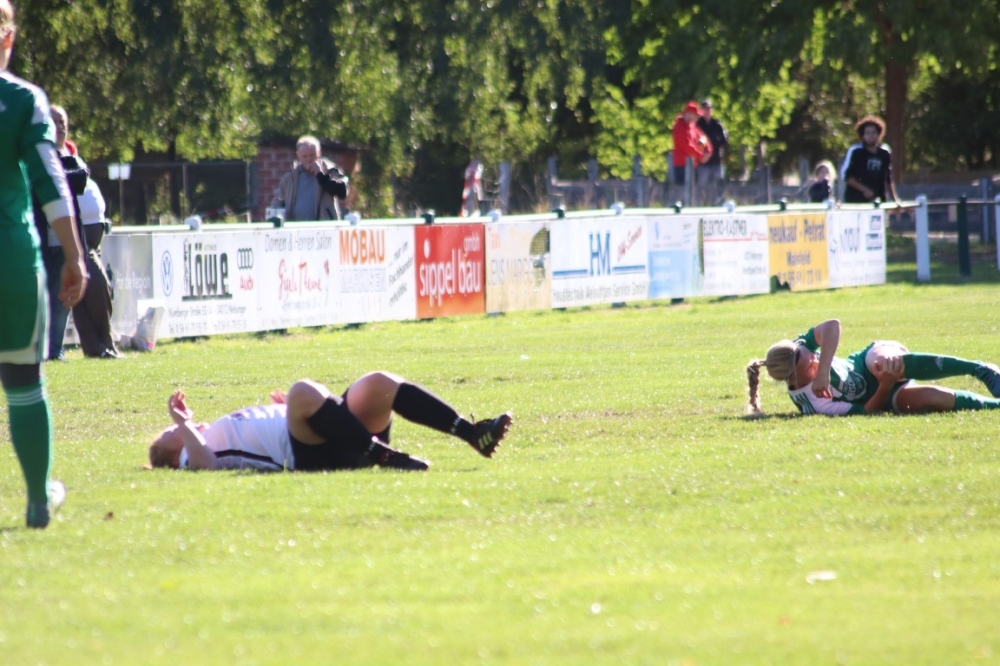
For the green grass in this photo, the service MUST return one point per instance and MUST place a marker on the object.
(634, 516)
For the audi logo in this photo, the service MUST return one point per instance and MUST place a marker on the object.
(244, 258)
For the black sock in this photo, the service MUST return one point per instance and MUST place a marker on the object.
(419, 405)
(335, 423)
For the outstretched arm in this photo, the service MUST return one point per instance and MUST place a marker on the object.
(199, 455)
(828, 338)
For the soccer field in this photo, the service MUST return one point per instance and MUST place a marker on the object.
(632, 516)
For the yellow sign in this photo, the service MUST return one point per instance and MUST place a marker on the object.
(798, 249)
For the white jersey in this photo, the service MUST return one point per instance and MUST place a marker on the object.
(252, 438)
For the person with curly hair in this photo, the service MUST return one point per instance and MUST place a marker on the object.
(867, 171)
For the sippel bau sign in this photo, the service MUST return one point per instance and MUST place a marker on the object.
(450, 270)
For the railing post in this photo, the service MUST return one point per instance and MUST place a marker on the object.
(689, 182)
(923, 243)
(964, 258)
(984, 194)
(996, 221)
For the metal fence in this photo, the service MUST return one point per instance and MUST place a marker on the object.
(164, 192)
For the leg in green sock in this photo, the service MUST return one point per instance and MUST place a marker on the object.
(31, 433)
(965, 400)
(933, 366)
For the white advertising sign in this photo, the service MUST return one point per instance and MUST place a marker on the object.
(674, 263)
(374, 275)
(735, 255)
(856, 248)
(206, 282)
(518, 266)
(293, 277)
(599, 260)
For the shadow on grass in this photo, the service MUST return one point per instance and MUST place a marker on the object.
(785, 416)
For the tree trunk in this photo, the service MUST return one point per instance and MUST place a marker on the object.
(897, 79)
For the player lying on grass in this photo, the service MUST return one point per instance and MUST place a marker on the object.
(309, 429)
(879, 376)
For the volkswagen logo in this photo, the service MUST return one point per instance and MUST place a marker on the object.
(167, 273)
(244, 258)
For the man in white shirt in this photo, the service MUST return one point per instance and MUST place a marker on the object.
(310, 429)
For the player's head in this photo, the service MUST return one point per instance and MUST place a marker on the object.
(7, 30)
(166, 449)
(781, 362)
(870, 130)
(61, 121)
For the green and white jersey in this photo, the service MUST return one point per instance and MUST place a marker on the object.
(851, 384)
(28, 163)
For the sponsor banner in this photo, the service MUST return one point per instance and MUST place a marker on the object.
(735, 254)
(599, 260)
(374, 278)
(856, 248)
(518, 266)
(674, 263)
(292, 278)
(206, 282)
(450, 270)
(799, 249)
(127, 260)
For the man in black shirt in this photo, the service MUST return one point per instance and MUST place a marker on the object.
(868, 166)
(711, 173)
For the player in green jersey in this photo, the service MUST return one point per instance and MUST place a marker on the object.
(879, 376)
(29, 163)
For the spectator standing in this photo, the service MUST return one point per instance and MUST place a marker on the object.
(712, 172)
(689, 141)
(53, 256)
(92, 315)
(868, 168)
(821, 187)
(30, 164)
(310, 191)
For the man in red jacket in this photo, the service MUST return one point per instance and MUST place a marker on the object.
(689, 141)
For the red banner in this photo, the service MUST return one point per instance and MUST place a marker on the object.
(450, 270)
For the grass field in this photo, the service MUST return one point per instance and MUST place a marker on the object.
(634, 516)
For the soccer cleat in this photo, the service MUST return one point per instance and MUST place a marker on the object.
(490, 433)
(399, 460)
(39, 514)
(989, 374)
(385, 456)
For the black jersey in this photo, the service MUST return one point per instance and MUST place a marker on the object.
(870, 169)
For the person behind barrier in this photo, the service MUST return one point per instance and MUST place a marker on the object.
(879, 377)
(711, 173)
(29, 164)
(77, 173)
(821, 186)
(311, 190)
(310, 429)
(92, 315)
(867, 168)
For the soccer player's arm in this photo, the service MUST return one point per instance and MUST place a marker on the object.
(827, 336)
(892, 373)
(199, 456)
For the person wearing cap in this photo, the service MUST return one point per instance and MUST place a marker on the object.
(689, 141)
(711, 173)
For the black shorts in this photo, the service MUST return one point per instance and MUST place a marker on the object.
(332, 455)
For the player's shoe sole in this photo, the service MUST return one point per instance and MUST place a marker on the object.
(490, 433)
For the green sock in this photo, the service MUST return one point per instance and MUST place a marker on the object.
(969, 400)
(932, 366)
(31, 432)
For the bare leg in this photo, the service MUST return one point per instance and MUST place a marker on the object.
(918, 399)
(369, 399)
